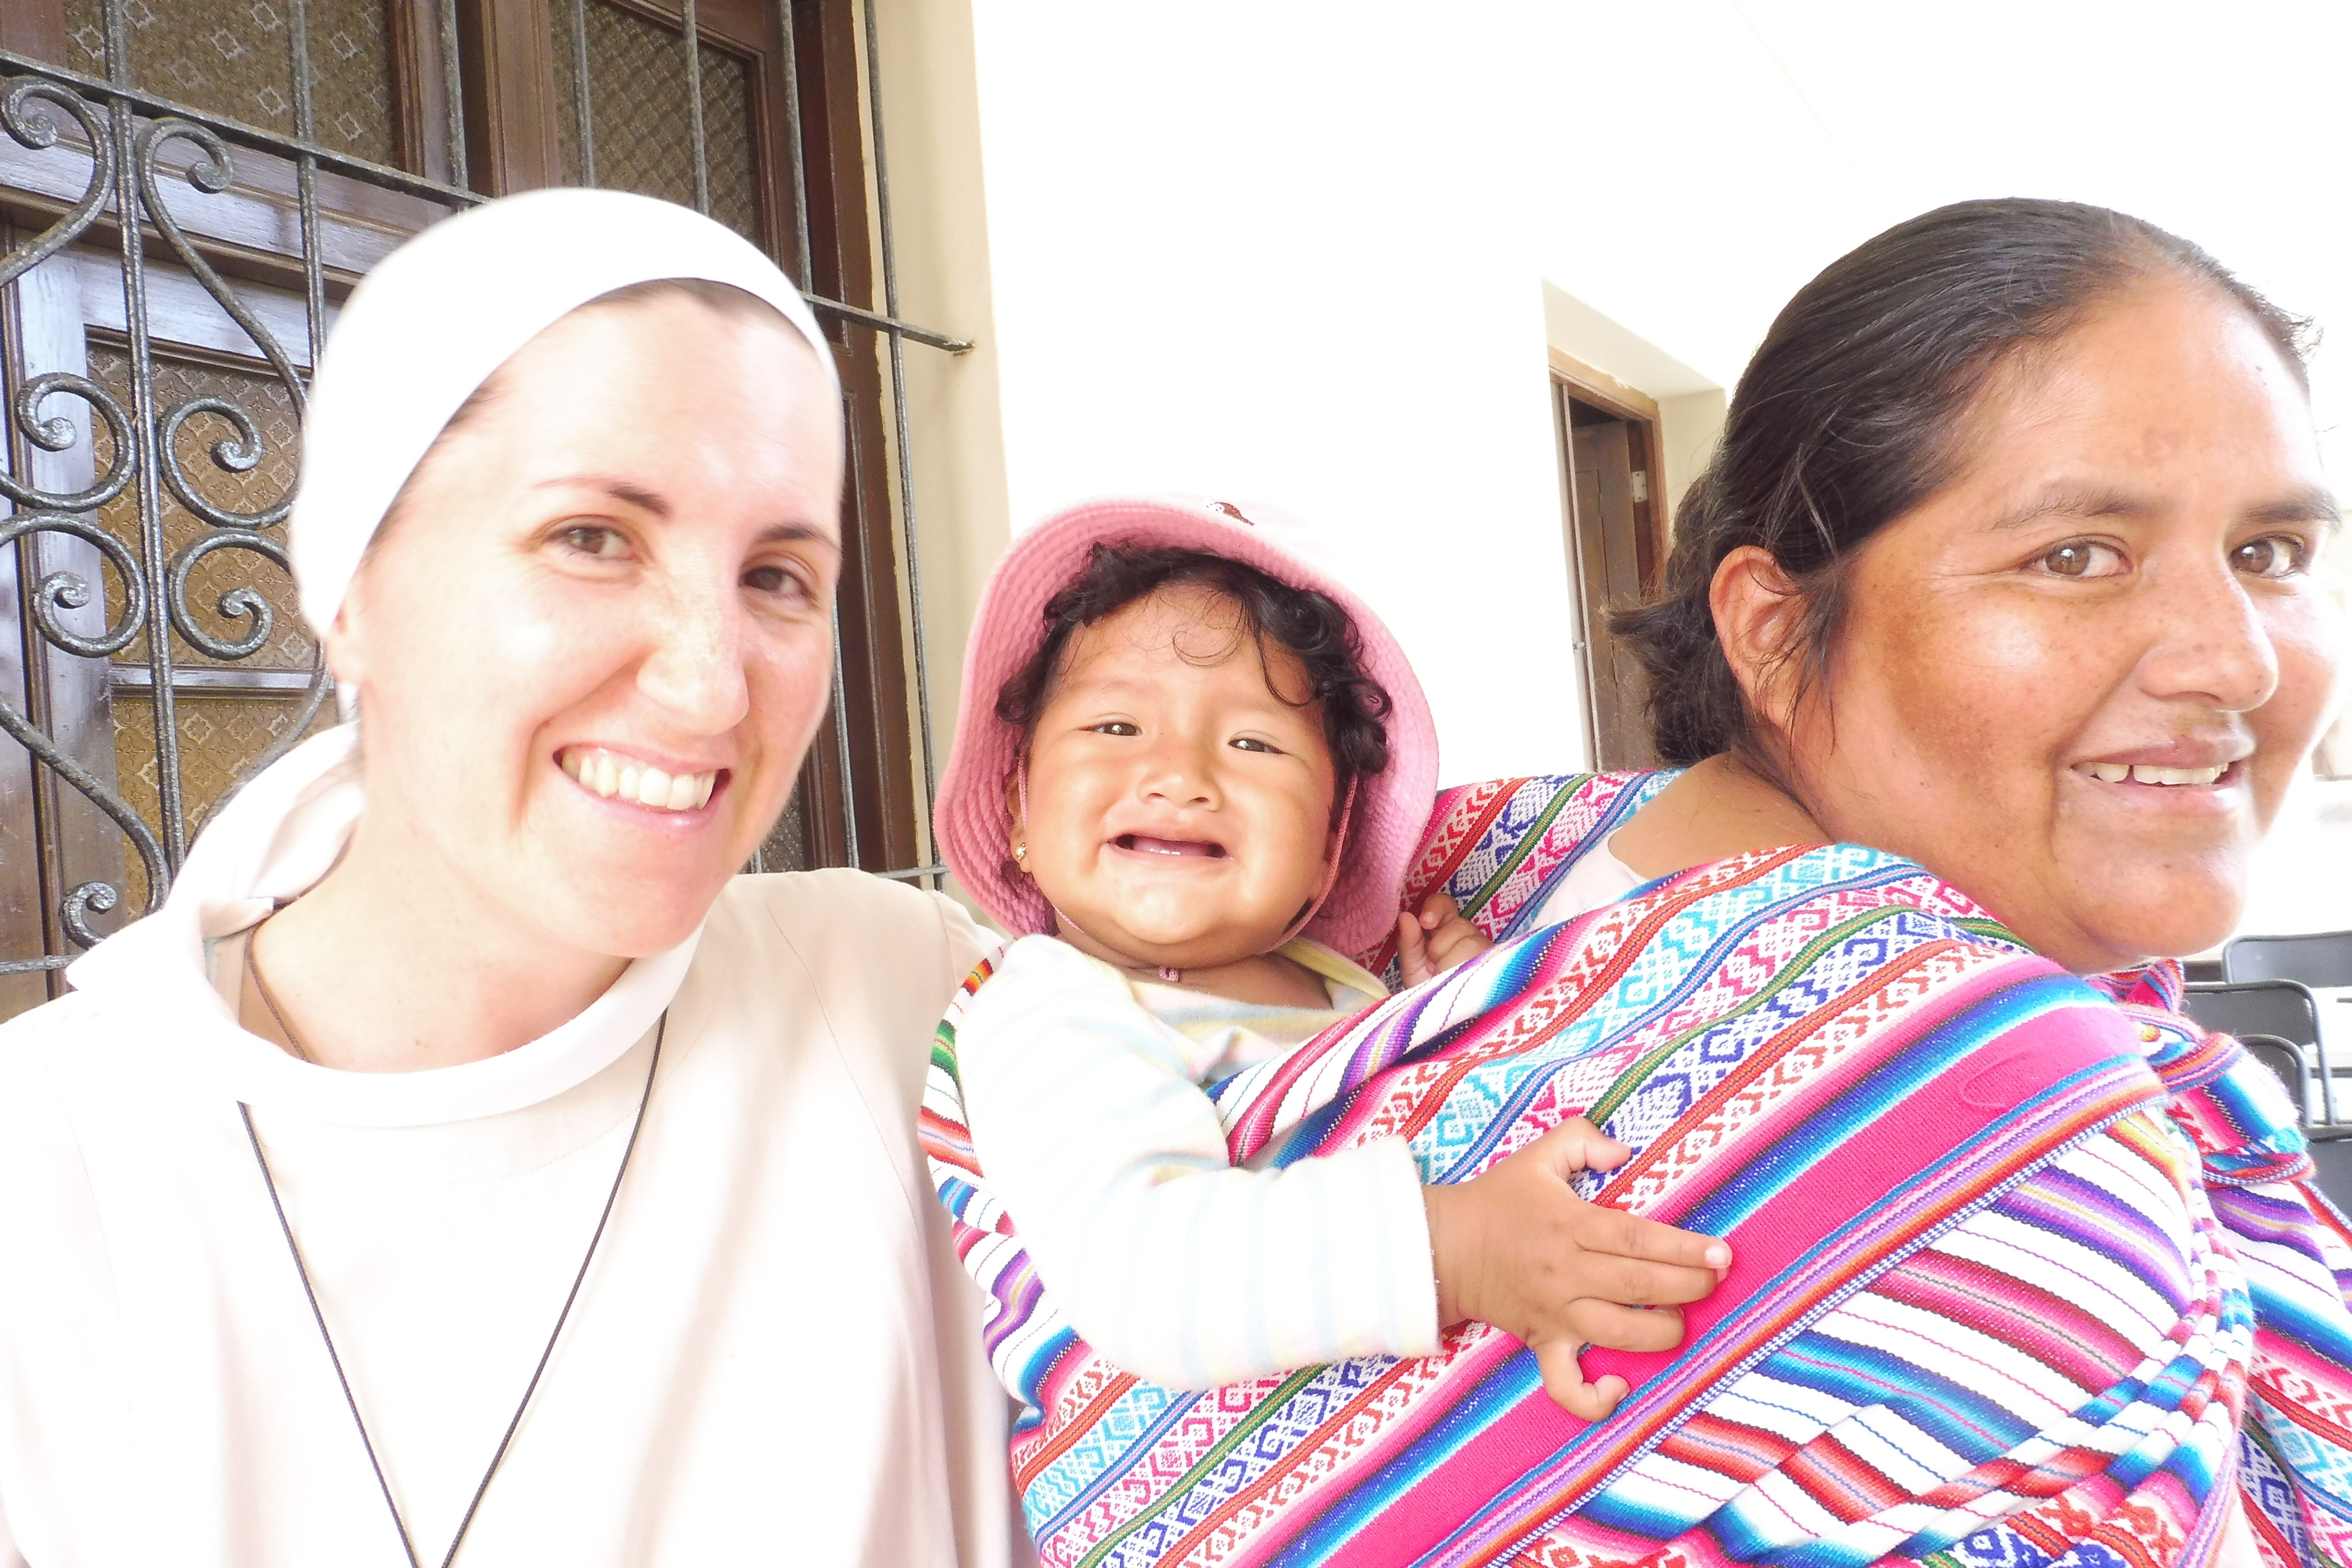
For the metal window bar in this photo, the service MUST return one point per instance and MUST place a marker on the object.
(895, 331)
(122, 130)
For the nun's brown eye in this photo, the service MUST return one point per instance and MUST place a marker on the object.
(595, 539)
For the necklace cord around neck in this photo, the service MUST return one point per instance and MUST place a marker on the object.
(261, 989)
(335, 1358)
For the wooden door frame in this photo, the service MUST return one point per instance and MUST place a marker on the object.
(1637, 408)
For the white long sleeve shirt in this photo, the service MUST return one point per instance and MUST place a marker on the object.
(775, 1356)
(1088, 1113)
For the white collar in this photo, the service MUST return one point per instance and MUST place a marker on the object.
(274, 840)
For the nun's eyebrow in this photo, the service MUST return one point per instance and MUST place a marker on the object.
(790, 533)
(613, 485)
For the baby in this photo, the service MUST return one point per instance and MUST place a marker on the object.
(1193, 766)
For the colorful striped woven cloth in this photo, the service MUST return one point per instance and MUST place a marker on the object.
(1984, 1310)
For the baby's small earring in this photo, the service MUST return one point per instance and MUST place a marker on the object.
(1021, 856)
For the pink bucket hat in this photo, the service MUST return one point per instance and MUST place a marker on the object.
(972, 820)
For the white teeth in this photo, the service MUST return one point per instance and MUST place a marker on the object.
(613, 775)
(2143, 773)
(2146, 774)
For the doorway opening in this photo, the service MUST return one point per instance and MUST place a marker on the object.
(1617, 542)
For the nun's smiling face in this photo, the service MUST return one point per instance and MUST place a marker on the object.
(594, 638)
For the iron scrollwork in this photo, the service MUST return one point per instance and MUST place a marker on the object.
(58, 113)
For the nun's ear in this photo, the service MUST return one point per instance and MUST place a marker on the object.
(346, 641)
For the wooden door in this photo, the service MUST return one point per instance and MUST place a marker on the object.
(1610, 458)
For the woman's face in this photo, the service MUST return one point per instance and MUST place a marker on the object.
(2077, 681)
(594, 640)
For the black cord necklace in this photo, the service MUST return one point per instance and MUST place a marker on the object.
(407, 1544)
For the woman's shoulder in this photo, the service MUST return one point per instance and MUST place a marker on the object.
(845, 936)
(34, 1041)
(60, 1063)
(838, 899)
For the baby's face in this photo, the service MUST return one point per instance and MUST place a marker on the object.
(1179, 811)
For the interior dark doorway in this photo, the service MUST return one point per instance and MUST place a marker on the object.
(1617, 543)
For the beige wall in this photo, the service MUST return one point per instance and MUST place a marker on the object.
(930, 120)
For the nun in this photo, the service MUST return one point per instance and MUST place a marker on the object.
(464, 1164)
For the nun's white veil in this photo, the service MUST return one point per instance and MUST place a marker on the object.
(420, 333)
(440, 315)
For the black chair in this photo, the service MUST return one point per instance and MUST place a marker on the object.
(2288, 1064)
(2321, 958)
(2280, 1011)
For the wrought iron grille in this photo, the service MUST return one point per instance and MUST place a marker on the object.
(136, 480)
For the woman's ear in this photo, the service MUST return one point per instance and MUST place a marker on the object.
(1758, 615)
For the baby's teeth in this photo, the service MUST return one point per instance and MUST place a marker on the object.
(653, 788)
(682, 791)
(608, 777)
(702, 790)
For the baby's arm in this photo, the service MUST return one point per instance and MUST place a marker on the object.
(1184, 1270)
(1435, 938)
(1113, 1166)
(1516, 1247)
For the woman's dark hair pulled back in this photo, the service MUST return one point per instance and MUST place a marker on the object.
(1851, 413)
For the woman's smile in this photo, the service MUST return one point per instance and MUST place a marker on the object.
(619, 776)
(2184, 778)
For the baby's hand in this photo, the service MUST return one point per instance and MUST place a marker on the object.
(1436, 938)
(1517, 1249)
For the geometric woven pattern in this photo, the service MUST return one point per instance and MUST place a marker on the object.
(2014, 1254)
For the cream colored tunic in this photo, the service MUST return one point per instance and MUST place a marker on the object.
(775, 1357)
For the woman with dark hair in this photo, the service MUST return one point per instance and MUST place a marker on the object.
(1991, 641)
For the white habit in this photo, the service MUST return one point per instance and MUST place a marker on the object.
(775, 1357)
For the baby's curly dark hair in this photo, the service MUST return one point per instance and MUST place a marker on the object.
(1316, 630)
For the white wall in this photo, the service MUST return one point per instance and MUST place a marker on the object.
(1752, 142)
(1248, 247)
(1303, 250)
